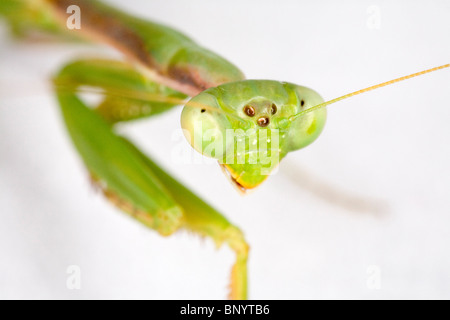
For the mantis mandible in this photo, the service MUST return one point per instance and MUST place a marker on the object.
(164, 68)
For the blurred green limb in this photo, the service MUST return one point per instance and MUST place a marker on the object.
(28, 16)
(128, 178)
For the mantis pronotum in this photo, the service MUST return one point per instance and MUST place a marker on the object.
(119, 71)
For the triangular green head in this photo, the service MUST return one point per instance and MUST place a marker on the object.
(250, 125)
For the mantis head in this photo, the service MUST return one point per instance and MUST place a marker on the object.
(249, 126)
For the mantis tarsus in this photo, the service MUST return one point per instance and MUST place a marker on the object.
(84, 124)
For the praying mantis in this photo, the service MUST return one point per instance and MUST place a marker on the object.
(130, 192)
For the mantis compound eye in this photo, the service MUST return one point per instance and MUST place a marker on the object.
(204, 126)
(307, 128)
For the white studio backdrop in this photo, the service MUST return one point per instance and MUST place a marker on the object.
(364, 212)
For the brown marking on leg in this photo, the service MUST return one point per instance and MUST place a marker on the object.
(188, 77)
(99, 26)
(122, 204)
(105, 25)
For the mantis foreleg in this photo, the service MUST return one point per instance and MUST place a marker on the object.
(132, 181)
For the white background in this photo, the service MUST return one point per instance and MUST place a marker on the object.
(373, 190)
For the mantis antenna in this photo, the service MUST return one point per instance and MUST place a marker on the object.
(383, 84)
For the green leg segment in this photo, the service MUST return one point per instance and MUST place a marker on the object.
(128, 178)
(28, 16)
(206, 221)
(129, 95)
